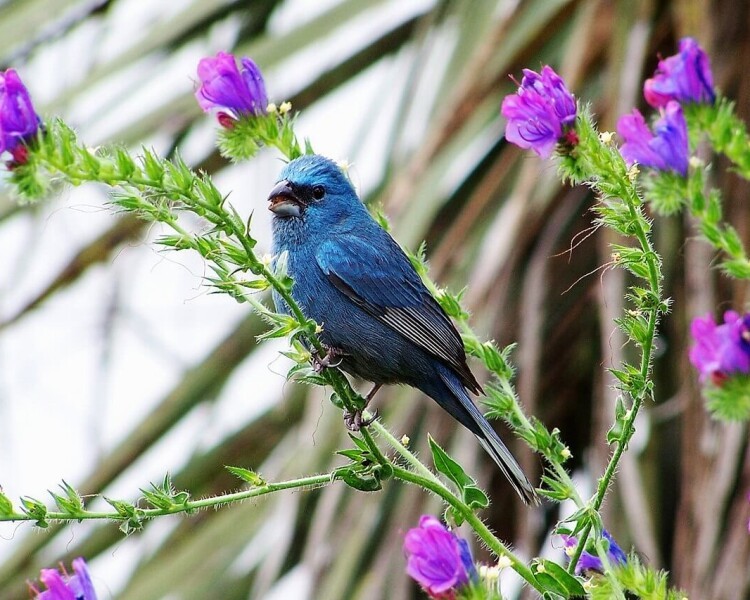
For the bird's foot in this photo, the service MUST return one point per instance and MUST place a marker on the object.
(354, 421)
(331, 359)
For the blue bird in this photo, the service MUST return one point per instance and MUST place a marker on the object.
(379, 321)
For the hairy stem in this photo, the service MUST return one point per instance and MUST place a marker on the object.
(310, 482)
(630, 197)
(405, 453)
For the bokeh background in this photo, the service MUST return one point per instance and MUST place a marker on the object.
(118, 366)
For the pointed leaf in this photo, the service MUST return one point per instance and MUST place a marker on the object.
(247, 475)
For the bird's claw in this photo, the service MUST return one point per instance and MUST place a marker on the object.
(331, 359)
(354, 421)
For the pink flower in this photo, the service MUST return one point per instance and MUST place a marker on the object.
(666, 149)
(61, 586)
(685, 77)
(591, 562)
(721, 350)
(227, 88)
(437, 559)
(540, 112)
(18, 119)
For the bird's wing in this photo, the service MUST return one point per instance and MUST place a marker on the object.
(377, 276)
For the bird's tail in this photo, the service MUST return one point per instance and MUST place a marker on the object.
(457, 402)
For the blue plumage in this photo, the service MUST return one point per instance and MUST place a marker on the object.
(353, 278)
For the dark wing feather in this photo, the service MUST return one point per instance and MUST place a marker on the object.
(377, 276)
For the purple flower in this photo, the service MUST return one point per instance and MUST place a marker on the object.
(591, 562)
(18, 119)
(721, 350)
(436, 559)
(226, 88)
(685, 77)
(666, 149)
(540, 113)
(68, 587)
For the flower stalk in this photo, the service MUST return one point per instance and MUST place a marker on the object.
(621, 208)
(133, 517)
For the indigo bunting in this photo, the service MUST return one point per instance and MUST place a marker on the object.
(379, 321)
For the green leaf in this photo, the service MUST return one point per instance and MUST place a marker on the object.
(359, 442)
(6, 506)
(615, 432)
(165, 497)
(177, 242)
(738, 268)
(470, 493)
(351, 454)
(555, 490)
(246, 475)
(731, 400)
(556, 579)
(359, 479)
(474, 497)
(126, 509)
(125, 164)
(447, 466)
(36, 510)
(63, 504)
(152, 165)
(133, 517)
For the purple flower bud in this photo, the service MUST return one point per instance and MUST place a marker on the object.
(18, 119)
(436, 559)
(68, 587)
(685, 77)
(226, 88)
(591, 562)
(666, 149)
(721, 350)
(540, 113)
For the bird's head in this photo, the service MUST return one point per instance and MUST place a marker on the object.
(313, 190)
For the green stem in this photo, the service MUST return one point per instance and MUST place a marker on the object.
(646, 360)
(405, 453)
(312, 481)
(633, 202)
(372, 444)
(576, 556)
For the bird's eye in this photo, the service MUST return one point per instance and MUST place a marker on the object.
(318, 192)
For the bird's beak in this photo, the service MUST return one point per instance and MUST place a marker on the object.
(284, 201)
